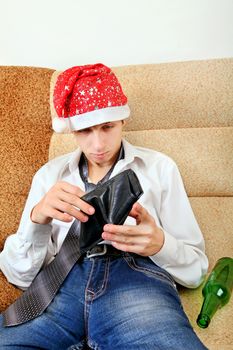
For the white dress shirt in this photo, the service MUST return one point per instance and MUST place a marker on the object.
(182, 254)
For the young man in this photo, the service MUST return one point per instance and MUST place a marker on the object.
(122, 294)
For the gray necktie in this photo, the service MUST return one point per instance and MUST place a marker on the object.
(44, 287)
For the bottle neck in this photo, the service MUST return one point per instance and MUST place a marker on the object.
(210, 305)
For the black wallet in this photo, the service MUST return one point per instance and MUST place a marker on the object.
(112, 201)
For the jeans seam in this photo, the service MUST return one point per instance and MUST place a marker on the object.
(102, 289)
(132, 264)
(88, 300)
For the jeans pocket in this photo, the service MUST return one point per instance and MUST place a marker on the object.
(150, 269)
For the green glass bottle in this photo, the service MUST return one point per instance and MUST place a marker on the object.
(216, 291)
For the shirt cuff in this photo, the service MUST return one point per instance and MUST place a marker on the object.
(168, 252)
(38, 234)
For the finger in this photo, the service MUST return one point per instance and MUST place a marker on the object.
(137, 209)
(123, 247)
(117, 238)
(75, 201)
(126, 239)
(67, 187)
(134, 211)
(56, 214)
(124, 230)
(133, 248)
(77, 193)
(71, 210)
(139, 213)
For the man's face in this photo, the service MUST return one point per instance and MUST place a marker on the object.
(100, 143)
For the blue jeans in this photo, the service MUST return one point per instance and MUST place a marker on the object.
(109, 303)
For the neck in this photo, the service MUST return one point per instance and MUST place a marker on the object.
(101, 166)
(96, 171)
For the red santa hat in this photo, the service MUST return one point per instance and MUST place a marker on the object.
(84, 96)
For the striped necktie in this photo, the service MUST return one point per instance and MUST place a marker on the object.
(46, 284)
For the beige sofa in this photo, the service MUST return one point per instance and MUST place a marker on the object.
(183, 109)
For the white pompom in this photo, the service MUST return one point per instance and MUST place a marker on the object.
(59, 125)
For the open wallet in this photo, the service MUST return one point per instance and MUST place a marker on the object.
(112, 201)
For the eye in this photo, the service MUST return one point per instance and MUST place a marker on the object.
(108, 126)
(84, 131)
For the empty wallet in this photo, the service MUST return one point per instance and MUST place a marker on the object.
(112, 201)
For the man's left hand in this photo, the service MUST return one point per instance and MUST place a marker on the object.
(145, 238)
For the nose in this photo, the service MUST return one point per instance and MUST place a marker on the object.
(98, 141)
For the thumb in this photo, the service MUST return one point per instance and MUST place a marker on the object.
(138, 212)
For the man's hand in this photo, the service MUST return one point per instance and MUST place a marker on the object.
(145, 239)
(61, 202)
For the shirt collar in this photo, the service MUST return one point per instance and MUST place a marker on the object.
(74, 161)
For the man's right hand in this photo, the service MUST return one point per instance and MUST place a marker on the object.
(62, 202)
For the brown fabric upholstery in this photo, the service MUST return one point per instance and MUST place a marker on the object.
(24, 141)
(183, 109)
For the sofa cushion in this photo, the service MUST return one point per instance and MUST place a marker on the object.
(215, 217)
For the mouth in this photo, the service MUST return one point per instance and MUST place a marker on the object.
(99, 155)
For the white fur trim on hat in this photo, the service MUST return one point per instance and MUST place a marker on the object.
(86, 120)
